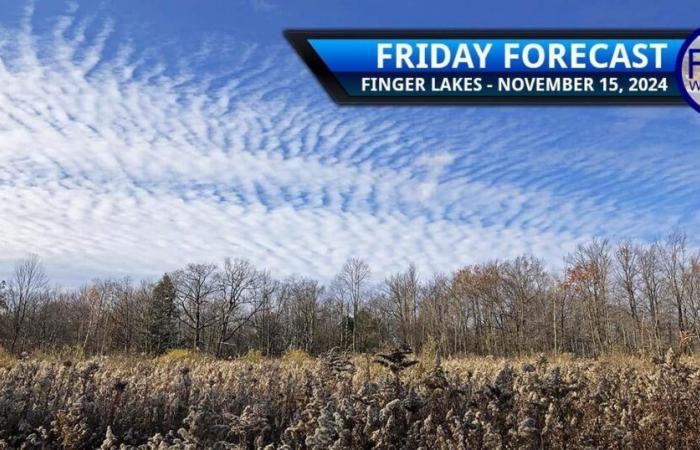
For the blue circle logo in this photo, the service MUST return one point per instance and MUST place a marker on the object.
(688, 70)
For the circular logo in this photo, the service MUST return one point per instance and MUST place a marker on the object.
(688, 70)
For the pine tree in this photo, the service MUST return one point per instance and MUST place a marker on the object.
(3, 292)
(163, 316)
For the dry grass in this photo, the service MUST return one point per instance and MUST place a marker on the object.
(184, 401)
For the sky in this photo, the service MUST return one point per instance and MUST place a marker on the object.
(139, 136)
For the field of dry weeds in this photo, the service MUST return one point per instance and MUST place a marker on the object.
(336, 402)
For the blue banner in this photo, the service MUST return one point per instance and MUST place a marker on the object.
(603, 67)
(497, 55)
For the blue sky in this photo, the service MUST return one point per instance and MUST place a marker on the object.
(138, 136)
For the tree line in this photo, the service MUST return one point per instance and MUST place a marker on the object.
(623, 297)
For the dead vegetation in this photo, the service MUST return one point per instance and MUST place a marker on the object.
(342, 402)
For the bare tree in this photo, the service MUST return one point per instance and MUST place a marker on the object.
(435, 311)
(587, 275)
(401, 292)
(24, 295)
(692, 285)
(304, 303)
(652, 288)
(525, 283)
(244, 293)
(351, 283)
(632, 297)
(195, 286)
(628, 277)
(675, 266)
(127, 314)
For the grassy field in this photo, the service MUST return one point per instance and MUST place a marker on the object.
(182, 401)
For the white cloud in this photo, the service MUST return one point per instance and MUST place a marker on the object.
(116, 165)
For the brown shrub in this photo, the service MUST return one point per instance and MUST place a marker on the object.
(337, 402)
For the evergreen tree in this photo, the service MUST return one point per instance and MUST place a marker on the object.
(3, 292)
(162, 328)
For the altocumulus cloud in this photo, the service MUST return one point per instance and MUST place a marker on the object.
(114, 161)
